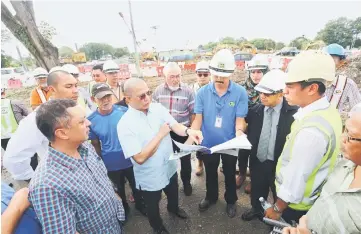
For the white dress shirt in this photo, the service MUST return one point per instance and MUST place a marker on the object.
(308, 150)
(23, 144)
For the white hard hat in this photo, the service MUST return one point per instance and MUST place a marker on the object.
(56, 68)
(272, 82)
(110, 66)
(202, 66)
(70, 68)
(40, 73)
(257, 63)
(222, 63)
(311, 66)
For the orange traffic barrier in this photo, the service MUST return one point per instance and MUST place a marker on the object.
(14, 83)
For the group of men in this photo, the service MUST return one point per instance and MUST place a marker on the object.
(293, 129)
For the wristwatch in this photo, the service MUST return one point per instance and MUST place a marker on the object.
(186, 131)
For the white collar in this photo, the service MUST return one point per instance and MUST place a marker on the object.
(321, 103)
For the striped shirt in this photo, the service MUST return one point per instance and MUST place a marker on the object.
(338, 208)
(179, 103)
(350, 96)
(75, 195)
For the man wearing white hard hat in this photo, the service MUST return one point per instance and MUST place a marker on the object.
(203, 75)
(203, 78)
(41, 93)
(111, 71)
(269, 123)
(221, 108)
(311, 150)
(84, 97)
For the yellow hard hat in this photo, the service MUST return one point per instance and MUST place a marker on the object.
(311, 66)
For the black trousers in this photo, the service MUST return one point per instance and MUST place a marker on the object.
(243, 156)
(152, 199)
(34, 159)
(211, 163)
(290, 214)
(186, 166)
(118, 178)
(262, 180)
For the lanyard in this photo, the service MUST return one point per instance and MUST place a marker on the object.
(219, 105)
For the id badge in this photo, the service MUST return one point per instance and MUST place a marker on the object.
(218, 123)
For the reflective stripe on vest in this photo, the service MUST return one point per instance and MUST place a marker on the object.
(81, 101)
(338, 92)
(8, 121)
(41, 95)
(328, 121)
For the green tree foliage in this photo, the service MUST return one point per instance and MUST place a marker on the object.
(95, 50)
(263, 43)
(300, 42)
(280, 45)
(120, 52)
(338, 31)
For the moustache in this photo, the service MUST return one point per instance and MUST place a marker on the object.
(221, 82)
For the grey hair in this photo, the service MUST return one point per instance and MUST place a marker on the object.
(171, 66)
(54, 77)
(356, 109)
(130, 84)
(52, 115)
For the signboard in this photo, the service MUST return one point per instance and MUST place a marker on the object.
(79, 57)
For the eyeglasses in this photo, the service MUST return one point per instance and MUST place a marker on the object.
(202, 74)
(351, 138)
(174, 76)
(144, 95)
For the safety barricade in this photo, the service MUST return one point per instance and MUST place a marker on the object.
(160, 71)
(14, 84)
(124, 71)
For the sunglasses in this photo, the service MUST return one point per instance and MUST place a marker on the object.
(351, 138)
(144, 95)
(202, 74)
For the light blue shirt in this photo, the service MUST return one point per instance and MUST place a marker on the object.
(135, 131)
(275, 119)
(232, 104)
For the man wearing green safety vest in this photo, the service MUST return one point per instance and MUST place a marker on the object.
(311, 150)
(11, 114)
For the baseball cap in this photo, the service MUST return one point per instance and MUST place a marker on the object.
(100, 90)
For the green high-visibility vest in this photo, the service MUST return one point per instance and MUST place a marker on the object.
(8, 121)
(328, 121)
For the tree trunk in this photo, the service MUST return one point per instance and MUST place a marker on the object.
(24, 28)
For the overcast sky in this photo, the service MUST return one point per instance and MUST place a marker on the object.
(184, 23)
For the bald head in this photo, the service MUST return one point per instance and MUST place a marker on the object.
(131, 84)
(55, 76)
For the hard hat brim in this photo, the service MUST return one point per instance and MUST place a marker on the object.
(257, 68)
(222, 74)
(263, 89)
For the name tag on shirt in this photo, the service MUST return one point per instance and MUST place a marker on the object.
(218, 123)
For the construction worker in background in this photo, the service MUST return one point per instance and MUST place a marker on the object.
(269, 123)
(203, 78)
(220, 108)
(98, 76)
(312, 147)
(111, 70)
(203, 75)
(11, 113)
(84, 97)
(257, 68)
(27, 139)
(41, 93)
(343, 93)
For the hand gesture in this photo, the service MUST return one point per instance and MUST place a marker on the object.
(300, 229)
(164, 130)
(196, 136)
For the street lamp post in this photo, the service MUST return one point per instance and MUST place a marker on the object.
(136, 55)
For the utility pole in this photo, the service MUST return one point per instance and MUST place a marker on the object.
(136, 55)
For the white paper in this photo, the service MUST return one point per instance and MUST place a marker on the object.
(230, 147)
